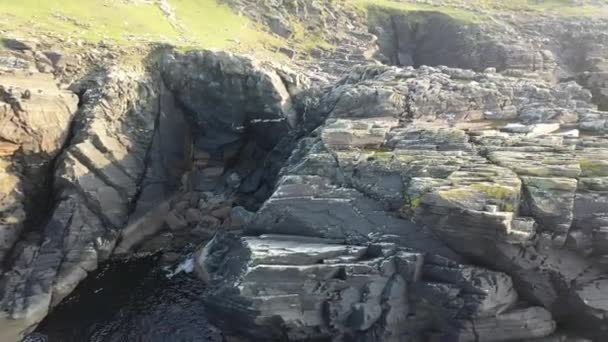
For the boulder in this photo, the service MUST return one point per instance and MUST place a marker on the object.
(299, 288)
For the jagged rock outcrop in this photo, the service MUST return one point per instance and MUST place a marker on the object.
(327, 53)
(520, 45)
(406, 156)
(95, 180)
(132, 140)
(35, 116)
(247, 111)
(432, 38)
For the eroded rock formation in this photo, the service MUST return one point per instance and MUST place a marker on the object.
(137, 138)
(405, 156)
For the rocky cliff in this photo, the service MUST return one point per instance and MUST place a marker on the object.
(414, 185)
(456, 192)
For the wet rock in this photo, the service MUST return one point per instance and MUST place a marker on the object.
(506, 198)
(291, 283)
(143, 228)
(473, 292)
(352, 242)
(209, 221)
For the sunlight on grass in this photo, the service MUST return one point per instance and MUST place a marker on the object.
(308, 40)
(459, 14)
(207, 24)
(213, 25)
(553, 7)
(200, 23)
(90, 19)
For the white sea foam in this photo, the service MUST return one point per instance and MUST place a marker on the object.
(186, 266)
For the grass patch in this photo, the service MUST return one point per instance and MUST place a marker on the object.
(553, 7)
(91, 20)
(458, 14)
(502, 196)
(199, 23)
(209, 24)
(408, 210)
(594, 168)
(308, 40)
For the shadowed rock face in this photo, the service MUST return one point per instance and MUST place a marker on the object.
(553, 48)
(433, 38)
(113, 185)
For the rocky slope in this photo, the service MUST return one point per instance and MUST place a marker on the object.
(453, 203)
(408, 158)
(110, 169)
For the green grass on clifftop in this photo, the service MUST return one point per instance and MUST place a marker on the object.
(201, 23)
(459, 14)
(479, 10)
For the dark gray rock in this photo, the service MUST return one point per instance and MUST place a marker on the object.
(505, 197)
(302, 288)
(95, 179)
(242, 97)
(17, 44)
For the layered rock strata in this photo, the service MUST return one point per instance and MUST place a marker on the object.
(111, 168)
(405, 157)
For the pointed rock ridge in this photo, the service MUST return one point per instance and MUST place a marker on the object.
(95, 179)
(132, 143)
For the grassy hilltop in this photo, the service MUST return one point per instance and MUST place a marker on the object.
(203, 23)
(208, 24)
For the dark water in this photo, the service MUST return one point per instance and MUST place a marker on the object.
(132, 301)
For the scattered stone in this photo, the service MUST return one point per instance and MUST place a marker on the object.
(193, 215)
(175, 222)
(222, 212)
(233, 180)
(209, 222)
